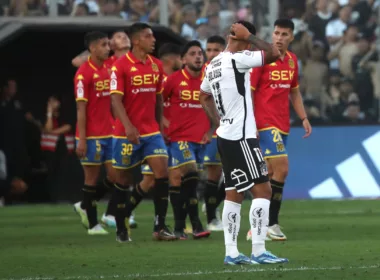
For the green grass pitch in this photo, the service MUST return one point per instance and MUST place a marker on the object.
(327, 240)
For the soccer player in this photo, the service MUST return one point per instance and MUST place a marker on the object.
(93, 133)
(170, 56)
(188, 133)
(136, 83)
(272, 85)
(214, 194)
(226, 97)
(119, 44)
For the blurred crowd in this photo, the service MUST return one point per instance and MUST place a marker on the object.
(335, 41)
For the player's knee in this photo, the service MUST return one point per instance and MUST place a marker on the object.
(91, 174)
(280, 168)
(234, 196)
(214, 172)
(175, 177)
(262, 190)
(147, 182)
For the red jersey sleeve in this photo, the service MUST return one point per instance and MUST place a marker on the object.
(295, 77)
(81, 85)
(117, 78)
(255, 77)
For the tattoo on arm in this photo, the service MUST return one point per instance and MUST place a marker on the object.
(210, 109)
(260, 44)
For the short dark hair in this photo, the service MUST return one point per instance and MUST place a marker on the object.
(284, 23)
(190, 44)
(92, 37)
(216, 39)
(116, 31)
(169, 49)
(251, 28)
(137, 28)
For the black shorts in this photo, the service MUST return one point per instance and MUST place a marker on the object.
(243, 164)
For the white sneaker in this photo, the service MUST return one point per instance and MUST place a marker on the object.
(275, 233)
(249, 236)
(204, 208)
(217, 214)
(215, 225)
(82, 214)
(109, 221)
(97, 230)
(132, 221)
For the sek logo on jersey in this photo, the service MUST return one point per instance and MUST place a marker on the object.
(147, 79)
(102, 85)
(190, 95)
(283, 75)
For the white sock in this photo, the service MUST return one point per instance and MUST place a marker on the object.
(259, 218)
(231, 225)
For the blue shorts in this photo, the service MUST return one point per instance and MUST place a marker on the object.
(273, 143)
(99, 151)
(145, 168)
(183, 152)
(127, 155)
(212, 156)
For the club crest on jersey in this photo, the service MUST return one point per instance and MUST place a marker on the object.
(291, 63)
(154, 67)
(263, 169)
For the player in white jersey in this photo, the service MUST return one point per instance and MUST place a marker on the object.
(226, 98)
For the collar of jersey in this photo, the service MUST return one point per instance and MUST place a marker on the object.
(133, 59)
(188, 76)
(286, 57)
(93, 65)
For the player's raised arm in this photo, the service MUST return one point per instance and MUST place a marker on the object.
(117, 95)
(80, 59)
(270, 52)
(81, 85)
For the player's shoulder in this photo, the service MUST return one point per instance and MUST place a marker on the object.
(155, 60)
(83, 71)
(175, 76)
(291, 55)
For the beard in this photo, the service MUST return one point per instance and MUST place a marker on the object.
(195, 68)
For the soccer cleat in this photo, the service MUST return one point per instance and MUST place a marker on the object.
(164, 234)
(249, 236)
(215, 225)
(132, 222)
(267, 258)
(109, 221)
(181, 235)
(275, 233)
(82, 214)
(123, 237)
(204, 208)
(97, 230)
(198, 234)
(241, 259)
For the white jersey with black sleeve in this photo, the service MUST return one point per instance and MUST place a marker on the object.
(228, 80)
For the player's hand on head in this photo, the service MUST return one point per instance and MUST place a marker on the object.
(133, 135)
(81, 149)
(239, 32)
(307, 126)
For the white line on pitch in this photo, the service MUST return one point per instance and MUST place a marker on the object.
(193, 273)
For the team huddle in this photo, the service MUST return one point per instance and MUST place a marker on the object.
(175, 116)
